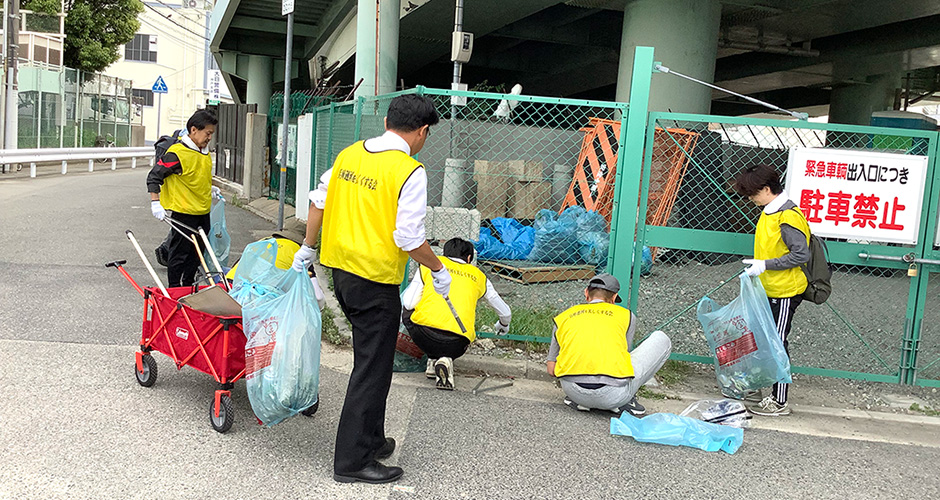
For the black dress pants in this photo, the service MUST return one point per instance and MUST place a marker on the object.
(182, 260)
(436, 343)
(374, 310)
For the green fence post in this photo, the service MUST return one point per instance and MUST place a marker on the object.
(360, 103)
(928, 223)
(313, 152)
(329, 136)
(630, 167)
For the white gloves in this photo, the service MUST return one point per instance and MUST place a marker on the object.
(217, 193)
(441, 281)
(500, 329)
(318, 292)
(755, 267)
(157, 209)
(305, 254)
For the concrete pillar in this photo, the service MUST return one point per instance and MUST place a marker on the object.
(260, 79)
(684, 34)
(378, 73)
(853, 103)
(256, 127)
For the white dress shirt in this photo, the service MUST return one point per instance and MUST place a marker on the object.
(776, 203)
(412, 202)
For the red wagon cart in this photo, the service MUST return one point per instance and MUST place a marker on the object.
(211, 344)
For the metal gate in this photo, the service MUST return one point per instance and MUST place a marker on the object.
(878, 324)
(230, 138)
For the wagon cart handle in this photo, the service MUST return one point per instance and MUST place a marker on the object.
(118, 264)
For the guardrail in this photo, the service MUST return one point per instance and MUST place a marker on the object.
(66, 155)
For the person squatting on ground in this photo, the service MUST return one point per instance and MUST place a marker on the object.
(371, 205)
(429, 320)
(593, 356)
(185, 174)
(781, 246)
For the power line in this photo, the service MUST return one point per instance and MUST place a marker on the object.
(181, 41)
(174, 22)
(178, 10)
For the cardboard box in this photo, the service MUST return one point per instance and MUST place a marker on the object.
(528, 197)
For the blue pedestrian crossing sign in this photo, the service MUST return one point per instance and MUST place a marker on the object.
(159, 86)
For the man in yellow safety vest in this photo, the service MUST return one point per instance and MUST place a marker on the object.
(592, 352)
(371, 207)
(430, 321)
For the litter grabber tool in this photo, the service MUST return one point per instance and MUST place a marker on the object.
(153, 274)
(453, 311)
(477, 390)
(202, 260)
(175, 224)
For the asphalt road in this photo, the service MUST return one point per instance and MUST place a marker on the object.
(75, 424)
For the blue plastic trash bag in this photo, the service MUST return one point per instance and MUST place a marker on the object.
(514, 242)
(666, 428)
(218, 236)
(556, 237)
(646, 266)
(282, 355)
(256, 274)
(589, 221)
(743, 338)
(594, 247)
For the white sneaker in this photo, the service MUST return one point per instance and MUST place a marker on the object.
(429, 371)
(444, 370)
(770, 408)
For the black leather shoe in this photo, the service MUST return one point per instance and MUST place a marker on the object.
(374, 473)
(386, 450)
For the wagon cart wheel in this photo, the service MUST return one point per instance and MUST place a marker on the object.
(313, 409)
(147, 374)
(226, 416)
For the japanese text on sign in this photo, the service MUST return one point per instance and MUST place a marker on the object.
(858, 195)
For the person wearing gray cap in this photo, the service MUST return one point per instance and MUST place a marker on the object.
(592, 352)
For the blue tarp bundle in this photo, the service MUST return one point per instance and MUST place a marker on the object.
(674, 430)
(514, 242)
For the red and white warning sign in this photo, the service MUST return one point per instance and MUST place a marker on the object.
(858, 195)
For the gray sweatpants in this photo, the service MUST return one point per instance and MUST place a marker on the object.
(647, 359)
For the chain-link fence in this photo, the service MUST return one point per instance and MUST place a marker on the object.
(62, 107)
(697, 245)
(528, 179)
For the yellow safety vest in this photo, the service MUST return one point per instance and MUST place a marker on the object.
(768, 244)
(593, 341)
(468, 285)
(191, 191)
(360, 212)
(285, 255)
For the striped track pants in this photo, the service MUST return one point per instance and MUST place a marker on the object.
(783, 310)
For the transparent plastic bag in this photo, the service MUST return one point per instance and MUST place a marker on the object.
(282, 354)
(556, 237)
(256, 274)
(719, 411)
(218, 235)
(743, 338)
(675, 430)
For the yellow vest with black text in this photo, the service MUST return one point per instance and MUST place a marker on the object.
(592, 340)
(360, 213)
(191, 191)
(468, 285)
(768, 244)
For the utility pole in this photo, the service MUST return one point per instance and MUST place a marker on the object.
(11, 32)
(287, 9)
(3, 51)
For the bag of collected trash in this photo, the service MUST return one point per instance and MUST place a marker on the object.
(256, 274)
(674, 430)
(514, 241)
(282, 354)
(218, 235)
(719, 411)
(409, 358)
(556, 237)
(646, 266)
(743, 338)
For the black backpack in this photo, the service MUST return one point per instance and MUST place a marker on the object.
(164, 143)
(818, 271)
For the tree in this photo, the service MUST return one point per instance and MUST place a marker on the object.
(95, 29)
